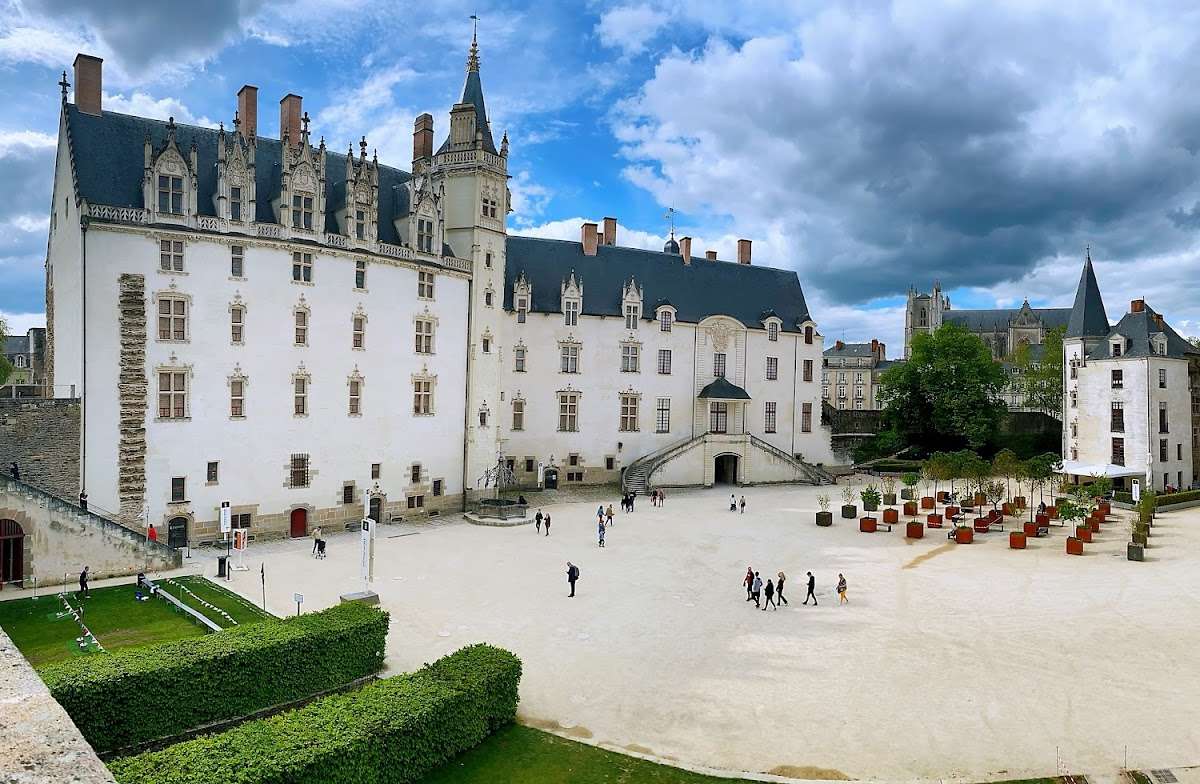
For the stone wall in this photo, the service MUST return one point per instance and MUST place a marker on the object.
(131, 393)
(41, 743)
(61, 538)
(42, 436)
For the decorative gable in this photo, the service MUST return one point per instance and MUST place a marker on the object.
(235, 195)
(358, 217)
(300, 205)
(169, 180)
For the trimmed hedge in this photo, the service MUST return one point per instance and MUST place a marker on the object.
(394, 730)
(139, 694)
(1161, 499)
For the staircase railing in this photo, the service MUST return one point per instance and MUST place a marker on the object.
(653, 460)
(815, 474)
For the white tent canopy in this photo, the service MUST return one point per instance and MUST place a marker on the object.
(1078, 468)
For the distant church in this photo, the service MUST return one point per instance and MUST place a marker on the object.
(1002, 329)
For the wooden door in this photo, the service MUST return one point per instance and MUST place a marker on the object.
(12, 552)
(299, 523)
(177, 532)
(376, 509)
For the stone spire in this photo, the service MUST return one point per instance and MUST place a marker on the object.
(473, 55)
(1088, 318)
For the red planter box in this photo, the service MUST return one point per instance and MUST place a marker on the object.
(1020, 502)
(1006, 509)
(1052, 512)
(1094, 524)
(1042, 519)
(914, 530)
(1074, 546)
(934, 521)
(942, 496)
(910, 508)
(927, 502)
(1105, 507)
(982, 524)
(964, 535)
(980, 499)
(1016, 540)
(867, 525)
(891, 516)
(1031, 529)
(1099, 516)
(1083, 533)
(951, 511)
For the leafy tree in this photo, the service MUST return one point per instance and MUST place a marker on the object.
(994, 491)
(1040, 470)
(1041, 381)
(1007, 464)
(1195, 341)
(947, 394)
(5, 365)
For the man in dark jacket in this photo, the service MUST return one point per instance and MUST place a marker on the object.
(812, 583)
(572, 576)
(83, 583)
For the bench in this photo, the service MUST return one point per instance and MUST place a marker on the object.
(884, 524)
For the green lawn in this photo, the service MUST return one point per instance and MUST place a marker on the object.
(44, 633)
(517, 755)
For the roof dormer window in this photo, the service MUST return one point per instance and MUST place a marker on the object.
(170, 194)
(302, 211)
(1116, 348)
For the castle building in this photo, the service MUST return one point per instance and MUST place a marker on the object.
(1128, 410)
(305, 334)
(850, 375)
(26, 354)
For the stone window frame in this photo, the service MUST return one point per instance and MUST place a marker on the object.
(301, 394)
(300, 339)
(486, 341)
(563, 346)
(426, 285)
(354, 392)
(360, 274)
(631, 356)
(484, 415)
(237, 377)
(358, 329)
(290, 466)
(518, 410)
(772, 369)
(774, 326)
(520, 357)
(173, 295)
(666, 316)
(569, 415)
(174, 368)
(425, 377)
(298, 211)
(629, 401)
(489, 296)
(770, 416)
(170, 250)
(631, 304)
(237, 308)
(303, 261)
(659, 409)
(428, 318)
(424, 234)
(806, 411)
(212, 473)
(237, 251)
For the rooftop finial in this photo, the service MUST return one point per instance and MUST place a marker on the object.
(362, 146)
(1088, 252)
(473, 57)
(670, 216)
(64, 84)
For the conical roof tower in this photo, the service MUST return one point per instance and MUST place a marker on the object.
(1088, 319)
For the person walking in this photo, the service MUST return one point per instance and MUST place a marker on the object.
(742, 504)
(770, 588)
(83, 500)
(732, 502)
(537, 521)
(547, 521)
(152, 534)
(632, 497)
(601, 532)
(600, 511)
(83, 583)
(757, 589)
(316, 537)
(661, 497)
(841, 589)
(748, 581)
(779, 597)
(572, 577)
(15, 471)
(812, 583)
(608, 513)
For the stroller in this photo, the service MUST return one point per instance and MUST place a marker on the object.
(320, 548)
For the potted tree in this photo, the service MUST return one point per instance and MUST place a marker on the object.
(910, 481)
(824, 517)
(870, 498)
(929, 475)
(889, 490)
(1007, 464)
(849, 510)
(1136, 550)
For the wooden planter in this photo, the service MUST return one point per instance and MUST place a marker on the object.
(824, 519)
(1031, 529)
(1016, 540)
(1094, 524)
(914, 529)
(891, 516)
(1099, 515)
(868, 525)
(934, 521)
(943, 496)
(982, 524)
(1135, 552)
(964, 535)
(849, 511)
(1052, 512)
(1083, 532)
(980, 499)
(1042, 519)
(1074, 546)
(1006, 510)
(927, 502)
(1020, 502)
(889, 499)
(1105, 507)
(910, 508)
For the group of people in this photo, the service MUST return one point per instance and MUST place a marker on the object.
(318, 550)
(770, 593)
(627, 501)
(539, 519)
(735, 504)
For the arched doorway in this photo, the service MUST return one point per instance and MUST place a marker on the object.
(550, 478)
(177, 532)
(376, 508)
(725, 469)
(299, 524)
(12, 552)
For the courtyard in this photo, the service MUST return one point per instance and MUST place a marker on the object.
(971, 661)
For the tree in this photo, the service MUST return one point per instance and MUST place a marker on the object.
(1194, 340)
(1007, 464)
(947, 394)
(5, 365)
(1041, 380)
(1040, 470)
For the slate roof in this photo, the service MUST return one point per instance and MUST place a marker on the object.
(998, 319)
(1088, 318)
(473, 94)
(109, 161)
(16, 344)
(1138, 329)
(849, 350)
(703, 288)
(722, 389)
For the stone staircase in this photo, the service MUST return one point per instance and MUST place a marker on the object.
(636, 477)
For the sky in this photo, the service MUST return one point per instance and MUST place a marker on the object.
(870, 146)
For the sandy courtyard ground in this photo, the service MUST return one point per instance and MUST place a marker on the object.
(974, 660)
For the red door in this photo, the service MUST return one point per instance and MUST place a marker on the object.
(299, 523)
(12, 544)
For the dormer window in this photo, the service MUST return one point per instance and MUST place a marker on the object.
(302, 211)
(571, 312)
(665, 320)
(633, 312)
(170, 194)
(235, 203)
(522, 309)
(1116, 348)
(360, 224)
(424, 235)
(772, 331)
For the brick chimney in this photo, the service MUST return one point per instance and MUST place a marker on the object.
(743, 251)
(711, 255)
(423, 137)
(1158, 321)
(87, 83)
(587, 235)
(290, 112)
(685, 249)
(839, 345)
(874, 345)
(610, 231)
(248, 110)
(1137, 306)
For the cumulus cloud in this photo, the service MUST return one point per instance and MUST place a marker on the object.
(141, 104)
(896, 143)
(630, 27)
